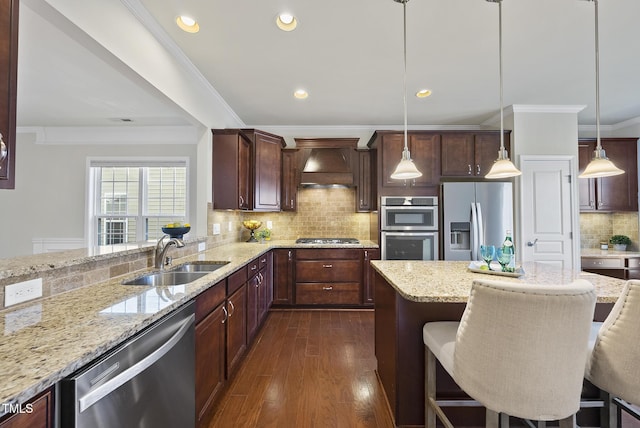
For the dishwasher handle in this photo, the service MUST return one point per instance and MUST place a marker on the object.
(108, 387)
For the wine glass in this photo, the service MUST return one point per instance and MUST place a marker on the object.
(488, 252)
(503, 259)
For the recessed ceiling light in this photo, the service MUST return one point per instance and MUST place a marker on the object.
(286, 22)
(423, 93)
(301, 94)
(188, 24)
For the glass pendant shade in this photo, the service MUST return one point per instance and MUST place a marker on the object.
(503, 167)
(406, 169)
(600, 166)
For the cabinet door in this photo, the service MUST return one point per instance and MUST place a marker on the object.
(36, 413)
(268, 154)
(620, 192)
(367, 278)
(458, 155)
(425, 152)
(486, 151)
(364, 202)
(8, 88)
(289, 179)
(236, 328)
(244, 174)
(210, 364)
(253, 290)
(282, 277)
(231, 170)
(586, 186)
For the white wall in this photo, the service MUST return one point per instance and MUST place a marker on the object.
(49, 200)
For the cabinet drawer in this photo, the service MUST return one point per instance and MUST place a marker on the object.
(633, 263)
(236, 280)
(604, 263)
(328, 253)
(262, 261)
(209, 300)
(252, 267)
(333, 293)
(328, 271)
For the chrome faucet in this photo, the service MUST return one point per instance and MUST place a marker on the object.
(161, 250)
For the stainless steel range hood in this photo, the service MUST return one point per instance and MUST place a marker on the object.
(327, 162)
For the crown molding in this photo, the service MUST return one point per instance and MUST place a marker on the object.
(112, 135)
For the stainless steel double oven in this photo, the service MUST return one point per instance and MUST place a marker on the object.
(409, 228)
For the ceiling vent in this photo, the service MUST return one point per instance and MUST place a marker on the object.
(327, 162)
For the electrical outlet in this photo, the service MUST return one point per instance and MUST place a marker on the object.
(202, 246)
(230, 227)
(216, 228)
(269, 224)
(22, 291)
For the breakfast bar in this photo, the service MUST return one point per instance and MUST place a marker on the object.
(410, 293)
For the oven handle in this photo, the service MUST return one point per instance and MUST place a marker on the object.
(108, 387)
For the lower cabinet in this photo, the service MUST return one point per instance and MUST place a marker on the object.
(368, 295)
(328, 276)
(259, 292)
(283, 260)
(36, 413)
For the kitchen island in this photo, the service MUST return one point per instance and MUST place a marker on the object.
(411, 293)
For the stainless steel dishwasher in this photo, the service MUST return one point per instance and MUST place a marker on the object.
(149, 381)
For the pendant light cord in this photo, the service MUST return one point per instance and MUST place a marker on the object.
(404, 87)
(502, 149)
(598, 144)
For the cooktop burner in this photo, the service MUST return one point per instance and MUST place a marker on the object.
(327, 241)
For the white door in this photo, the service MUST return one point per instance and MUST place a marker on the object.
(546, 206)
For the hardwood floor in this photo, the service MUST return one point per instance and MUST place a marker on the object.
(308, 369)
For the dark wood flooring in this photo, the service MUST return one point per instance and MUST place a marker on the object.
(308, 369)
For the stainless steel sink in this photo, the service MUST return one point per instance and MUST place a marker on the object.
(200, 266)
(158, 279)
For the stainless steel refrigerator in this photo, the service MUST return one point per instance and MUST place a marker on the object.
(475, 213)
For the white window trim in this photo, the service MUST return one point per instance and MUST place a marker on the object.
(134, 161)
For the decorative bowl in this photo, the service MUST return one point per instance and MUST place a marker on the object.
(252, 224)
(176, 232)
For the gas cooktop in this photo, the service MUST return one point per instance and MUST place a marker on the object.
(327, 241)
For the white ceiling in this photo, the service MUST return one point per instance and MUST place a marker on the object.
(348, 55)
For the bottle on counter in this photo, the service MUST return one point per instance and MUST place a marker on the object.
(507, 248)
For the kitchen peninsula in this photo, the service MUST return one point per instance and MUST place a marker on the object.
(411, 293)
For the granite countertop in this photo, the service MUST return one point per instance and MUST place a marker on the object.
(46, 340)
(607, 254)
(450, 281)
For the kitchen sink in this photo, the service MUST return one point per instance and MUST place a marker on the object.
(157, 279)
(200, 266)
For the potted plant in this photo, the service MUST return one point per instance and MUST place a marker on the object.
(264, 234)
(620, 242)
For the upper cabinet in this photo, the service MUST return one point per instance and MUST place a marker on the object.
(425, 153)
(246, 173)
(468, 154)
(8, 89)
(609, 194)
(365, 181)
(290, 179)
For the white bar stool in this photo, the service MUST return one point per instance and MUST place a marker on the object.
(614, 362)
(518, 350)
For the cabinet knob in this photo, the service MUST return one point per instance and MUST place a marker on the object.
(241, 200)
(477, 169)
(470, 171)
(290, 255)
(233, 308)
(226, 315)
(291, 202)
(327, 288)
(327, 266)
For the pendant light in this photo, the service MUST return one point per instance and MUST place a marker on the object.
(502, 167)
(406, 169)
(600, 165)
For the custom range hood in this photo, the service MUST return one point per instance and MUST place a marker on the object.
(326, 162)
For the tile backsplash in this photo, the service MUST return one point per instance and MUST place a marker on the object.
(321, 213)
(596, 227)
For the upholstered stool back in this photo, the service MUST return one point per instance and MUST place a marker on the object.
(521, 349)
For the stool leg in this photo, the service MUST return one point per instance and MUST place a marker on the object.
(492, 419)
(504, 420)
(608, 413)
(429, 388)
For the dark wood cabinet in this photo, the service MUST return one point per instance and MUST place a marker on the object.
(211, 315)
(328, 276)
(267, 157)
(366, 188)
(290, 179)
(259, 296)
(467, 154)
(38, 412)
(425, 153)
(8, 88)
(246, 170)
(610, 194)
(231, 170)
(236, 328)
(283, 260)
(368, 294)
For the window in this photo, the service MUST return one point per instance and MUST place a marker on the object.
(132, 202)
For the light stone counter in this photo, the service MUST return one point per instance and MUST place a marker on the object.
(606, 254)
(46, 340)
(450, 281)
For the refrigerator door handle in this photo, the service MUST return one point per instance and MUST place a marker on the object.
(474, 232)
(480, 225)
